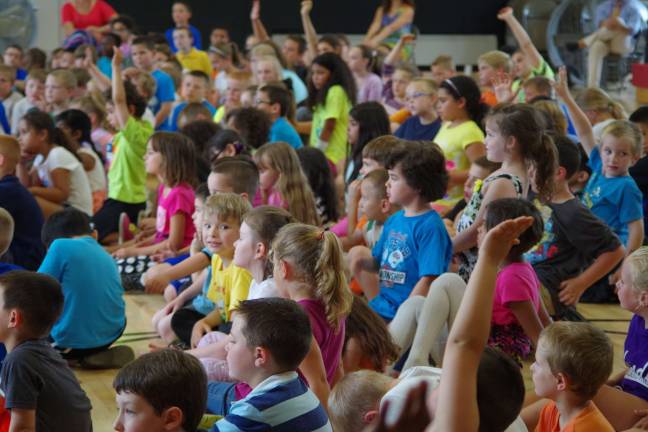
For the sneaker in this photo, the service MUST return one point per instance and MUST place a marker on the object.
(114, 357)
(125, 231)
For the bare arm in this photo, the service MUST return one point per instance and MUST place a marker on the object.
(528, 318)
(315, 373)
(404, 19)
(395, 53)
(580, 120)
(176, 231)
(87, 161)
(163, 114)
(258, 28)
(635, 236)
(118, 92)
(327, 130)
(59, 192)
(309, 29)
(374, 27)
(473, 151)
(23, 420)
(522, 37)
(422, 286)
(457, 402)
(466, 239)
(159, 282)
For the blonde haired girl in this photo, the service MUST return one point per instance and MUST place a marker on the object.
(309, 268)
(282, 182)
(600, 109)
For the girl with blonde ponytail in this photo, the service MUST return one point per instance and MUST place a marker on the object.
(309, 268)
(600, 109)
(515, 137)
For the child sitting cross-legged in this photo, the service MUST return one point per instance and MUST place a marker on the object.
(270, 338)
(224, 284)
(39, 388)
(163, 391)
(414, 247)
(94, 314)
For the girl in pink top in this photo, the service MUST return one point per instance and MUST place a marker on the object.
(309, 268)
(518, 312)
(282, 182)
(172, 158)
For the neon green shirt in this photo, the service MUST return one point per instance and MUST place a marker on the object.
(336, 106)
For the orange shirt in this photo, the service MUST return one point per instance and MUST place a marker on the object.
(400, 116)
(489, 98)
(589, 419)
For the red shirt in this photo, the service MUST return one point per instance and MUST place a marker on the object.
(98, 16)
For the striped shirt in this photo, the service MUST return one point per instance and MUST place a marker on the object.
(282, 402)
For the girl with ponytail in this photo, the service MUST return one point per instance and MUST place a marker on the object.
(309, 268)
(515, 137)
(600, 109)
(460, 137)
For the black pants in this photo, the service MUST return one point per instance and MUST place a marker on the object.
(182, 323)
(77, 353)
(106, 220)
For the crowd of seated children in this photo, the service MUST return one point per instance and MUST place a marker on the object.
(304, 152)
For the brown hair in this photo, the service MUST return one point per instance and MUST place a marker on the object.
(242, 174)
(8, 72)
(378, 180)
(265, 222)
(94, 103)
(540, 84)
(10, 149)
(555, 116)
(371, 333)
(444, 61)
(318, 262)
(165, 379)
(292, 183)
(523, 122)
(580, 351)
(192, 112)
(178, 158)
(379, 149)
(64, 77)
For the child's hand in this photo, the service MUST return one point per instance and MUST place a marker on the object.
(255, 13)
(156, 284)
(118, 58)
(505, 13)
(499, 240)
(503, 87)
(123, 253)
(560, 85)
(407, 38)
(200, 329)
(306, 7)
(354, 191)
(570, 291)
(413, 417)
(173, 306)
(643, 422)
(162, 255)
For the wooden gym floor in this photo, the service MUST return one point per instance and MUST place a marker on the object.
(140, 309)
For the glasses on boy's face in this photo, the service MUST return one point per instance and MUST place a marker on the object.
(416, 95)
(258, 101)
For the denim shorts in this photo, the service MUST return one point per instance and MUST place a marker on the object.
(220, 396)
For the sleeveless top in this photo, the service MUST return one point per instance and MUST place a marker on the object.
(468, 258)
(393, 38)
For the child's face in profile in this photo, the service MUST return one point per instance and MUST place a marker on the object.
(267, 176)
(197, 216)
(219, 234)
(486, 74)
(152, 160)
(398, 191)
(420, 100)
(400, 81)
(13, 57)
(6, 85)
(371, 202)
(245, 248)
(644, 131)
(320, 76)
(628, 295)
(544, 380)
(495, 142)
(369, 165)
(617, 156)
(240, 357)
(233, 93)
(353, 131)
(521, 67)
(137, 415)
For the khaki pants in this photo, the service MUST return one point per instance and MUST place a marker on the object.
(601, 43)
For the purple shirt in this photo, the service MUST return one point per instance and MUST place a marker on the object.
(330, 341)
(370, 89)
(635, 355)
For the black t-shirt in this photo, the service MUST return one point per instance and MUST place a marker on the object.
(572, 240)
(34, 376)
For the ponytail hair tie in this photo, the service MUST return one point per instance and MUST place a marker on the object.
(320, 236)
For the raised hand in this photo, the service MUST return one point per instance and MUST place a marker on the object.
(505, 13)
(118, 58)
(499, 240)
(306, 7)
(255, 13)
(503, 87)
(560, 84)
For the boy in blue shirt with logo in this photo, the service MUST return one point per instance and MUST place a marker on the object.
(414, 247)
(276, 101)
(94, 314)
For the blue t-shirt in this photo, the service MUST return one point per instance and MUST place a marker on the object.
(635, 357)
(21, 74)
(197, 38)
(164, 91)
(105, 66)
(412, 129)
(300, 91)
(175, 113)
(617, 201)
(26, 249)
(93, 314)
(201, 303)
(409, 248)
(282, 130)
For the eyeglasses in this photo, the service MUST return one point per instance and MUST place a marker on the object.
(416, 95)
(262, 101)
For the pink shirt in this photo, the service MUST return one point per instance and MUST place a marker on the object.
(274, 199)
(515, 283)
(180, 199)
(98, 16)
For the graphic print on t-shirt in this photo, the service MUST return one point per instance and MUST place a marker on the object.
(394, 255)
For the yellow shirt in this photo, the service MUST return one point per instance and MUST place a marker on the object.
(453, 141)
(195, 60)
(229, 286)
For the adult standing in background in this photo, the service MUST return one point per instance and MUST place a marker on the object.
(392, 19)
(92, 16)
(617, 21)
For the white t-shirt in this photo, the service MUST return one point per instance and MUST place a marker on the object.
(410, 379)
(265, 289)
(19, 110)
(97, 175)
(59, 157)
